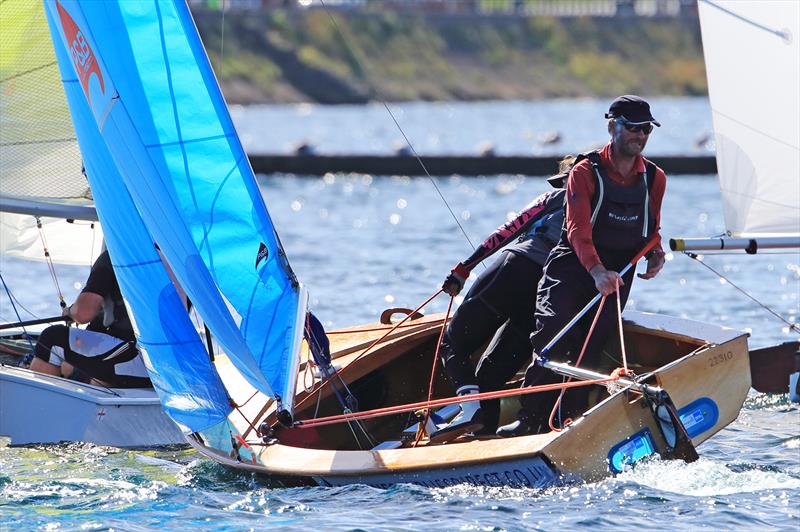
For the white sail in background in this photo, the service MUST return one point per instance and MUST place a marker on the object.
(79, 242)
(752, 55)
(40, 163)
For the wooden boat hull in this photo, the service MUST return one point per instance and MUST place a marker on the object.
(704, 368)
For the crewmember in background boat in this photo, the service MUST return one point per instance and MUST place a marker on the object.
(503, 296)
(105, 352)
(613, 208)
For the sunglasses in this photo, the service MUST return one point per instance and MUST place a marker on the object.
(636, 128)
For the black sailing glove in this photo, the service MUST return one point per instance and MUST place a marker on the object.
(455, 281)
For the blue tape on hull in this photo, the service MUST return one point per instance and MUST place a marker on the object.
(631, 450)
(699, 416)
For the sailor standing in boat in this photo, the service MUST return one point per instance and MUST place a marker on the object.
(503, 296)
(613, 207)
(105, 352)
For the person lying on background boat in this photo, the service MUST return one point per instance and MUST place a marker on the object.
(105, 352)
(503, 296)
(613, 208)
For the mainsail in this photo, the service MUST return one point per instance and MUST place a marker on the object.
(752, 55)
(150, 93)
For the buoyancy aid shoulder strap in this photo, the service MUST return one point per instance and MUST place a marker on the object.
(650, 173)
(594, 160)
(649, 177)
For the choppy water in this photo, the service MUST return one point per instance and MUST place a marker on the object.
(364, 243)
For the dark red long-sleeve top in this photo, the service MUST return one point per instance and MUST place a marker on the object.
(580, 190)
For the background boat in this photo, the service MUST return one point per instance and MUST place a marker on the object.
(758, 156)
(42, 183)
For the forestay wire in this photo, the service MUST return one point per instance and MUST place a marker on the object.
(396, 123)
(792, 326)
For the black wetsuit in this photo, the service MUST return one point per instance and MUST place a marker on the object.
(106, 349)
(622, 226)
(499, 304)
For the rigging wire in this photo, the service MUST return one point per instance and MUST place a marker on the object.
(49, 260)
(19, 318)
(396, 123)
(792, 326)
(16, 300)
(778, 33)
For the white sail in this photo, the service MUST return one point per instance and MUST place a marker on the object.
(752, 55)
(40, 163)
(76, 242)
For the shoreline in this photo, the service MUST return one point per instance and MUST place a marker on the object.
(298, 56)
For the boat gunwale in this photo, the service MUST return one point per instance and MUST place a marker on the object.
(85, 392)
(398, 461)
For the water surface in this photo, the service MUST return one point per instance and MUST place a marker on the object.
(365, 243)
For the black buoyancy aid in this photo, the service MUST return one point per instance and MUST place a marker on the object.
(551, 219)
(621, 216)
(545, 231)
(622, 219)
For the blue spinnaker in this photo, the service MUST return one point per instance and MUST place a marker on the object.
(179, 365)
(145, 75)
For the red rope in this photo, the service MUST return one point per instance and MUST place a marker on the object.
(621, 337)
(365, 351)
(399, 409)
(577, 364)
(355, 331)
(433, 372)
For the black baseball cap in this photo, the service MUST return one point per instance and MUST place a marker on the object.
(633, 109)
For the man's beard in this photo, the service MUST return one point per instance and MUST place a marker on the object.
(631, 148)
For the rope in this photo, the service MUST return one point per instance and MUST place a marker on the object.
(557, 404)
(399, 409)
(433, 373)
(363, 353)
(308, 387)
(396, 123)
(50, 266)
(14, 306)
(621, 337)
(236, 407)
(245, 403)
(792, 326)
(351, 331)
